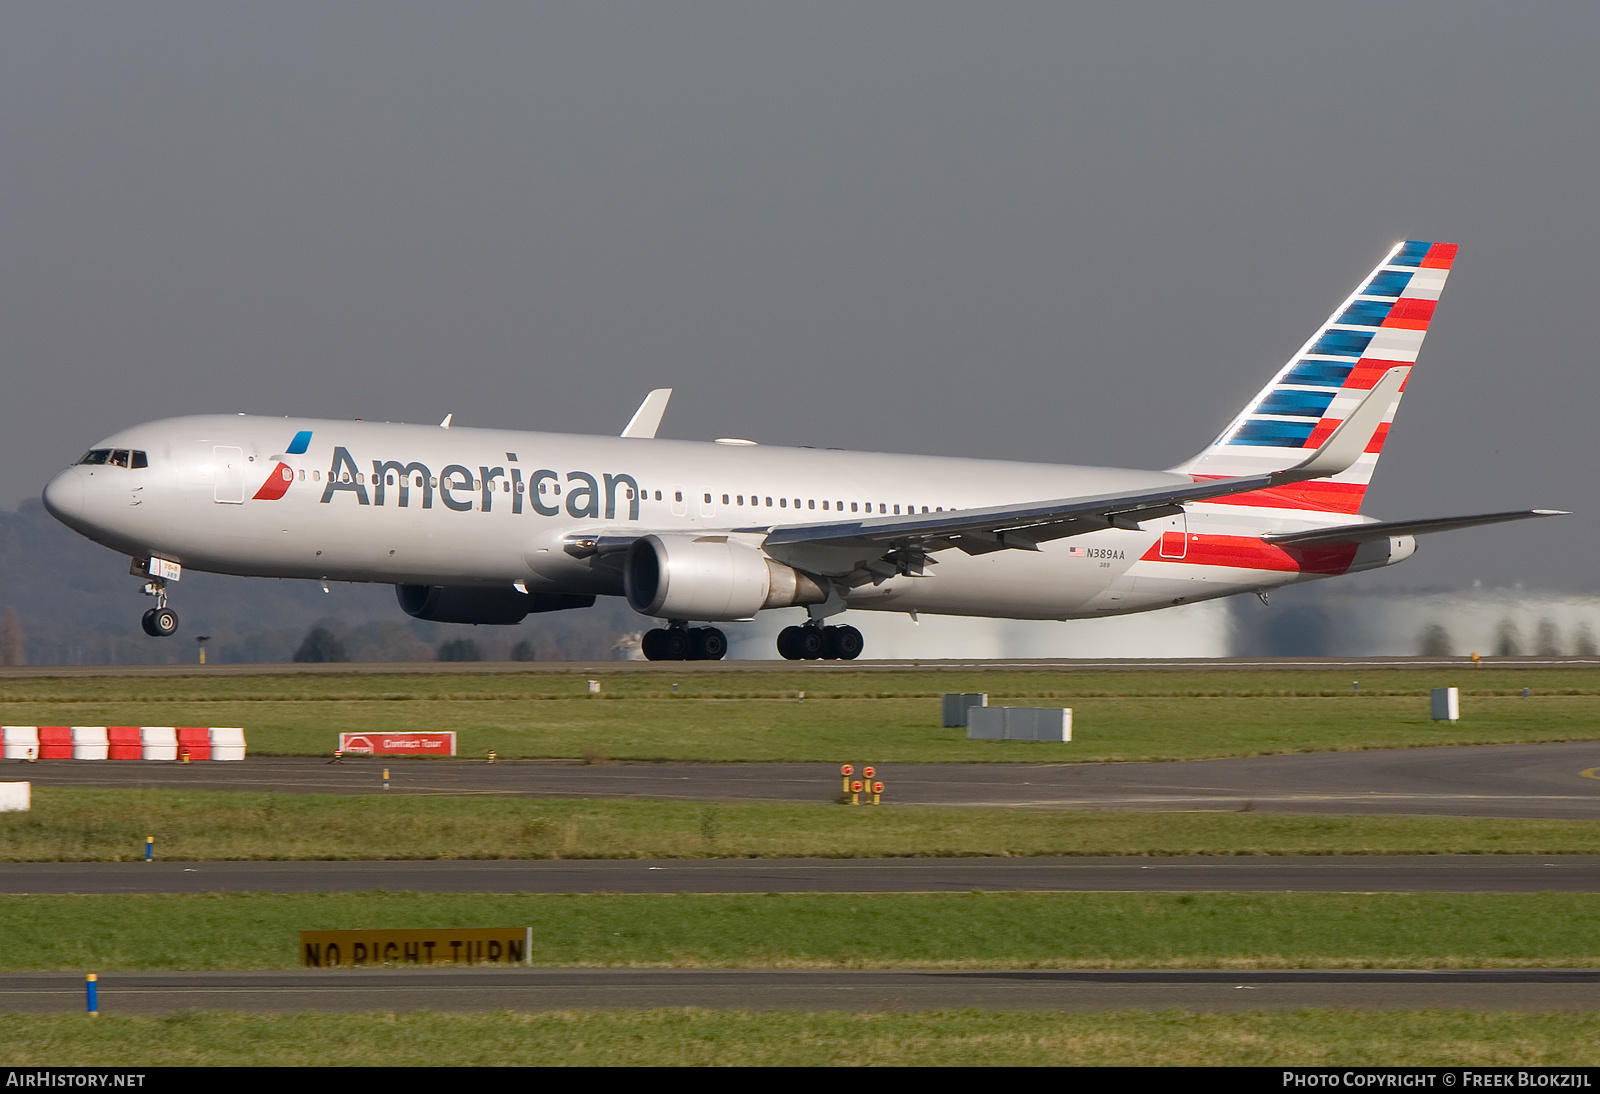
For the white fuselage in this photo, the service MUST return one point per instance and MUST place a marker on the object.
(460, 507)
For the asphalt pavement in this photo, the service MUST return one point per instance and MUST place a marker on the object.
(1533, 781)
(861, 990)
(1218, 873)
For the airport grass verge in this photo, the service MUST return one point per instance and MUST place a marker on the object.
(701, 1038)
(123, 932)
(68, 824)
(758, 714)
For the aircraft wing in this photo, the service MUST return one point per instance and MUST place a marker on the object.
(883, 546)
(1359, 533)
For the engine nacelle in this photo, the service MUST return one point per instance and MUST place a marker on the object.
(710, 578)
(468, 604)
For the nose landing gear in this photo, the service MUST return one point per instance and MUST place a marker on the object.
(160, 621)
(813, 642)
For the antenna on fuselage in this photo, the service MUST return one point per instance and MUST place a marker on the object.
(446, 423)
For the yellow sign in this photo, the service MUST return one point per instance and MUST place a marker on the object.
(470, 946)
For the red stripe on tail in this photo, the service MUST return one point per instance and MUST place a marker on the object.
(1411, 313)
(1440, 256)
(1317, 495)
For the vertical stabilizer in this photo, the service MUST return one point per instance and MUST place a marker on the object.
(1378, 328)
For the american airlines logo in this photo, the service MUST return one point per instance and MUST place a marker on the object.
(461, 488)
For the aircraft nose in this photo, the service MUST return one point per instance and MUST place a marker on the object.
(64, 494)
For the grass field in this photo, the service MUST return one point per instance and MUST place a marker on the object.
(702, 1038)
(111, 825)
(894, 713)
(884, 930)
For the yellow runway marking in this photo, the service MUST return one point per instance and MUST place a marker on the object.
(1591, 773)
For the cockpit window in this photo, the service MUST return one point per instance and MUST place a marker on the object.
(118, 457)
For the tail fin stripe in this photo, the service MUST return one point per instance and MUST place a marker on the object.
(1387, 283)
(1411, 253)
(1441, 256)
(1341, 343)
(1368, 371)
(1319, 373)
(1271, 433)
(1365, 313)
(1295, 402)
(1411, 313)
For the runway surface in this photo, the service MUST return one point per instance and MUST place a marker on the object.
(824, 668)
(1262, 873)
(803, 989)
(1537, 781)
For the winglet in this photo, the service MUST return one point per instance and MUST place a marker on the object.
(647, 419)
(1346, 443)
(446, 423)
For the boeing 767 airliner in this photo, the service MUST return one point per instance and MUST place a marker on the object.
(487, 526)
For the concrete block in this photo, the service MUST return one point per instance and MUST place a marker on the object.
(986, 724)
(16, 797)
(956, 706)
(90, 743)
(21, 742)
(1019, 724)
(1446, 704)
(158, 743)
(227, 743)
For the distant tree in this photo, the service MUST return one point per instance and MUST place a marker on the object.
(460, 649)
(1435, 641)
(1583, 643)
(524, 651)
(13, 651)
(1546, 639)
(320, 645)
(1508, 640)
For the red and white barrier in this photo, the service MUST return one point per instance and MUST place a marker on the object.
(123, 742)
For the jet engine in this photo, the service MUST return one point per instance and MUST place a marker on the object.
(467, 604)
(710, 578)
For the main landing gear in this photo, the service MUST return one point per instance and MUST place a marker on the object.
(813, 642)
(681, 643)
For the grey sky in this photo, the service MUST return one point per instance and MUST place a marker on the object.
(1050, 232)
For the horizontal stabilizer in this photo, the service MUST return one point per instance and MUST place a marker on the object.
(1360, 533)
